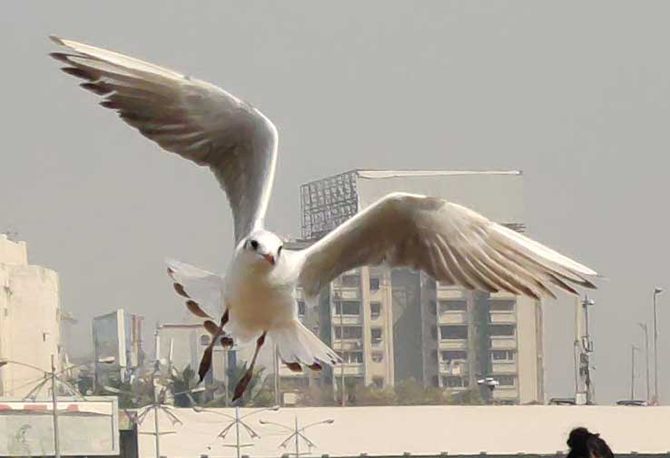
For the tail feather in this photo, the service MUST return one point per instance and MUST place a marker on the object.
(203, 290)
(297, 344)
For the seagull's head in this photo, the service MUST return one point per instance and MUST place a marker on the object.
(263, 247)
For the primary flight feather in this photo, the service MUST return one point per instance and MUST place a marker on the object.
(256, 296)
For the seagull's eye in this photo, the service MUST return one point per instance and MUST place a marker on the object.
(254, 244)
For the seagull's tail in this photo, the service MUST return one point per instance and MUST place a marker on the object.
(297, 344)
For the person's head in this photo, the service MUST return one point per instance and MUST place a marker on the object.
(584, 444)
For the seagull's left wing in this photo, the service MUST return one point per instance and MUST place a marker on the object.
(451, 243)
(192, 118)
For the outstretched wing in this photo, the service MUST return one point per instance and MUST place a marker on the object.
(451, 243)
(191, 118)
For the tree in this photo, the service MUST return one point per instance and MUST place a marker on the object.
(185, 381)
(255, 394)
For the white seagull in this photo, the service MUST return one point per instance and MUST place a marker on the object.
(256, 296)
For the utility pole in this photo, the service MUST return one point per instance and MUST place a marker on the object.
(237, 431)
(633, 349)
(276, 370)
(646, 355)
(54, 402)
(344, 390)
(297, 432)
(657, 399)
(583, 350)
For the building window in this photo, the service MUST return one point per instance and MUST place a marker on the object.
(301, 308)
(453, 305)
(506, 380)
(454, 332)
(377, 356)
(351, 357)
(453, 382)
(375, 310)
(454, 355)
(502, 355)
(351, 281)
(501, 330)
(375, 282)
(378, 382)
(376, 335)
(499, 305)
(204, 339)
(350, 332)
(348, 308)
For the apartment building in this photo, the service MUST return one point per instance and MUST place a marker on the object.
(394, 324)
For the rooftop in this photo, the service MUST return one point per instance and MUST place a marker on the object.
(422, 430)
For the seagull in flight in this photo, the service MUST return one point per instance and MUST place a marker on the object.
(256, 296)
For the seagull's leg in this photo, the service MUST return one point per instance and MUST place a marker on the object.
(244, 381)
(206, 361)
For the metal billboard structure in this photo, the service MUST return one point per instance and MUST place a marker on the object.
(86, 427)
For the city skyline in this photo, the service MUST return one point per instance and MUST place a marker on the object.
(473, 87)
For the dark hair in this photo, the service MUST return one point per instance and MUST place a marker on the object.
(584, 444)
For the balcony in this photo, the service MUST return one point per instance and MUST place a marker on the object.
(504, 367)
(453, 344)
(453, 317)
(503, 343)
(347, 320)
(350, 369)
(457, 368)
(448, 293)
(502, 317)
(347, 344)
(346, 293)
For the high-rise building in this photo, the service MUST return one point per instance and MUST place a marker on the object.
(29, 319)
(395, 324)
(117, 335)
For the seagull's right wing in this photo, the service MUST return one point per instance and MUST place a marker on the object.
(192, 118)
(451, 243)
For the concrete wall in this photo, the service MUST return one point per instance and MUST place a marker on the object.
(29, 318)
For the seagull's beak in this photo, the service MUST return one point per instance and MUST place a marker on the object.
(269, 258)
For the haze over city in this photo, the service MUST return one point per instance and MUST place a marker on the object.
(574, 95)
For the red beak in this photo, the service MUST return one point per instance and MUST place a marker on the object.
(269, 258)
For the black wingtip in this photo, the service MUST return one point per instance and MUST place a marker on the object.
(56, 39)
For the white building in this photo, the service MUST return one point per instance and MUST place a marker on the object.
(29, 318)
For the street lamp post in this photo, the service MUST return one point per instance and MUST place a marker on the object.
(236, 421)
(297, 432)
(657, 291)
(646, 356)
(633, 349)
(53, 376)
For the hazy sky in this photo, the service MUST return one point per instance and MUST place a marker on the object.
(575, 94)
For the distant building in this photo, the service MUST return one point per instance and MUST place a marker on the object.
(117, 335)
(181, 345)
(394, 324)
(29, 318)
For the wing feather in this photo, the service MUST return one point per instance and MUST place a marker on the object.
(189, 117)
(451, 243)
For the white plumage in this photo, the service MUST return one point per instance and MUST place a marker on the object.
(210, 127)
